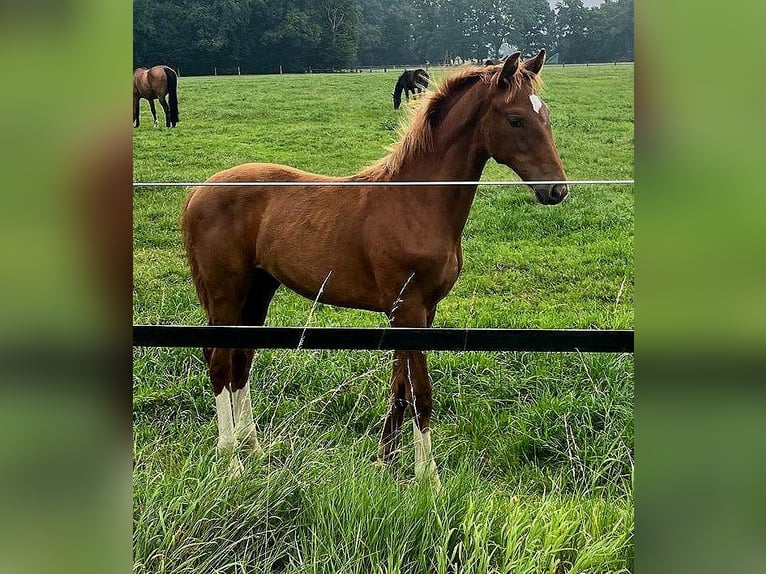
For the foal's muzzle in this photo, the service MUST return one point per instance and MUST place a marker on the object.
(551, 194)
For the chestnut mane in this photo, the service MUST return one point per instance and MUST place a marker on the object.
(417, 138)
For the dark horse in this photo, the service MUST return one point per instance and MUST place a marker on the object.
(413, 81)
(391, 249)
(156, 83)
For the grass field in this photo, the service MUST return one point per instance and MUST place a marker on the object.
(535, 451)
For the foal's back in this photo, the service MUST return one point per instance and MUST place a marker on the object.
(150, 83)
(139, 81)
(296, 234)
(369, 239)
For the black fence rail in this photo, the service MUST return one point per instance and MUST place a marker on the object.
(401, 338)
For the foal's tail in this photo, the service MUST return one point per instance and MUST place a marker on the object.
(172, 79)
(190, 254)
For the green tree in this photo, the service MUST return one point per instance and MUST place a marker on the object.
(531, 21)
(524, 24)
(427, 35)
(385, 32)
(144, 32)
(610, 31)
(491, 25)
(198, 36)
(599, 34)
(571, 31)
(398, 43)
(157, 34)
(339, 21)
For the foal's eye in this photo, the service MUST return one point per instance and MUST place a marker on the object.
(516, 121)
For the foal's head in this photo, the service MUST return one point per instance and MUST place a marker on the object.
(516, 126)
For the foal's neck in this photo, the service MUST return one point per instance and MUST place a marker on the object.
(454, 152)
(457, 151)
(457, 154)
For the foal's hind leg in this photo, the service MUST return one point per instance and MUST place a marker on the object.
(254, 313)
(166, 109)
(154, 112)
(401, 397)
(220, 366)
(224, 311)
(136, 109)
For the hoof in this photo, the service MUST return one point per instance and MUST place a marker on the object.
(236, 468)
(428, 475)
(255, 452)
(249, 442)
(252, 444)
(430, 481)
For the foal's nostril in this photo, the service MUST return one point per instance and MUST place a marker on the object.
(558, 192)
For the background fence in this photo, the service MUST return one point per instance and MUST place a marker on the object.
(237, 71)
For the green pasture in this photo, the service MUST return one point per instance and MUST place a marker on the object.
(535, 451)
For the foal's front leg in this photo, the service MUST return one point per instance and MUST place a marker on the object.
(401, 397)
(417, 379)
(244, 425)
(154, 113)
(410, 386)
(219, 363)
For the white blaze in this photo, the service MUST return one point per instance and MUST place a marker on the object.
(537, 103)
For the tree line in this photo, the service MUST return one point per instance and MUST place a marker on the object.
(268, 36)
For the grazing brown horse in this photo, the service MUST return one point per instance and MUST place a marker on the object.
(413, 81)
(156, 83)
(395, 250)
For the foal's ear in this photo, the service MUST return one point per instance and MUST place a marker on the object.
(510, 67)
(535, 64)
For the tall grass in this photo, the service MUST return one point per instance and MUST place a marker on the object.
(535, 451)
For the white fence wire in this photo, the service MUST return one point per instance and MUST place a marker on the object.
(346, 183)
